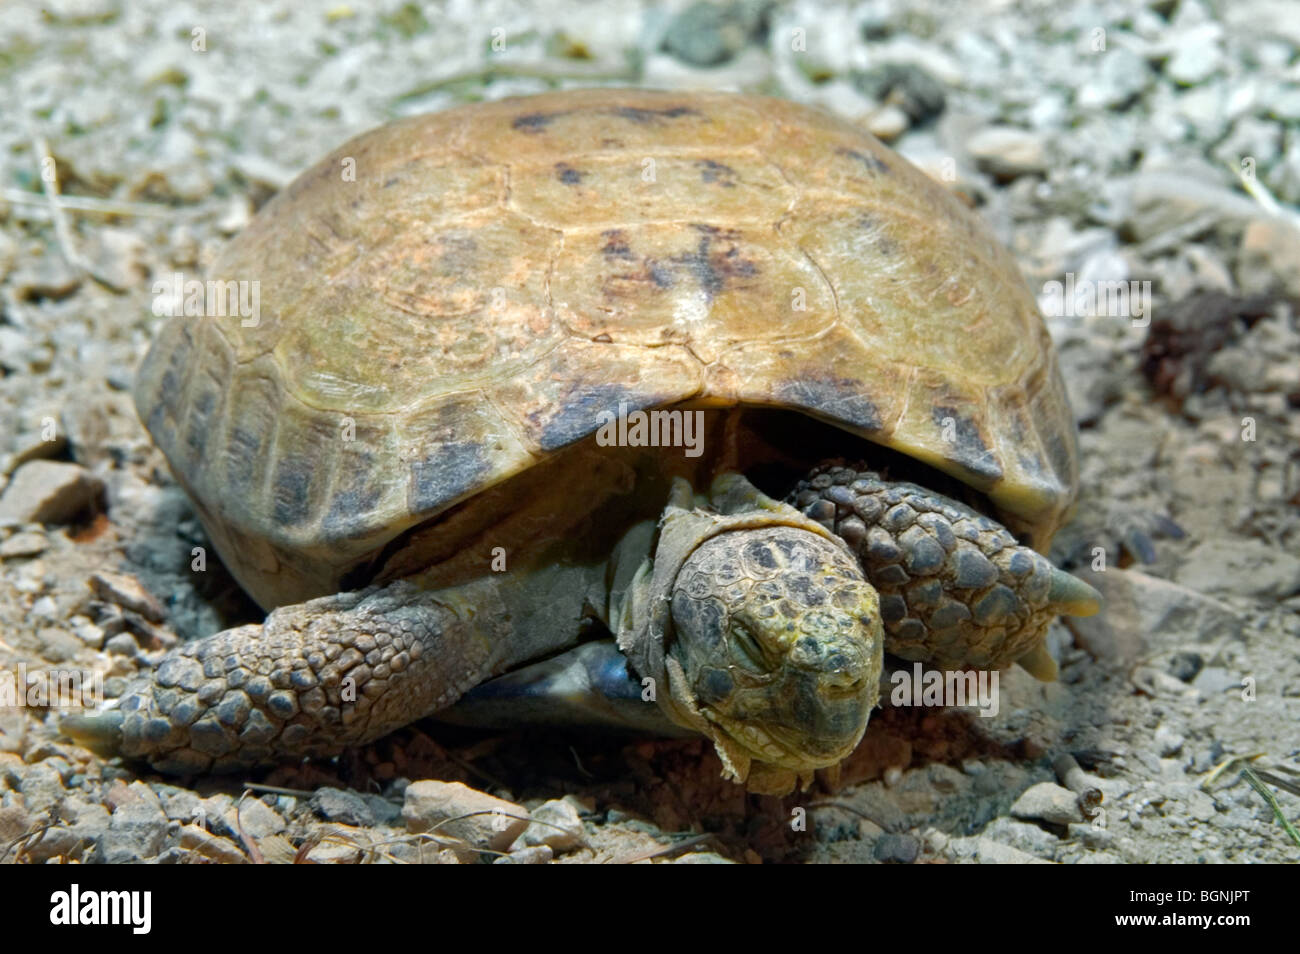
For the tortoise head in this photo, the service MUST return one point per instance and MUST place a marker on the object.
(779, 642)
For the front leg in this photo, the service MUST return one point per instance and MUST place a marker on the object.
(957, 590)
(314, 678)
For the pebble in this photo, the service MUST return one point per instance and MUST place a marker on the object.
(709, 34)
(990, 852)
(555, 824)
(1268, 259)
(532, 855)
(202, 842)
(126, 591)
(1048, 802)
(1007, 152)
(1197, 54)
(27, 543)
(430, 803)
(901, 849)
(58, 645)
(257, 818)
(907, 87)
(49, 492)
(137, 829)
(342, 805)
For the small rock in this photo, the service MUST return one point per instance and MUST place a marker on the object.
(1185, 665)
(901, 849)
(202, 842)
(117, 258)
(555, 823)
(58, 645)
(1268, 258)
(702, 858)
(433, 804)
(137, 828)
(905, 86)
(50, 492)
(26, 544)
(990, 852)
(1196, 54)
(888, 123)
(1007, 152)
(1214, 680)
(341, 805)
(1242, 568)
(47, 277)
(1141, 613)
(709, 34)
(1122, 75)
(257, 818)
(126, 591)
(1048, 802)
(123, 644)
(532, 855)
(1168, 742)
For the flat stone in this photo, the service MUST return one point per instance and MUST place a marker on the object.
(491, 823)
(1241, 568)
(25, 544)
(1048, 802)
(1142, 614)
(49, 492)
(126, 591)
(341, 805)
(1007, 152)
(211, 846)
(555, 824)
(901, 849)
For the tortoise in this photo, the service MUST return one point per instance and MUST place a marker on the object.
(508, 433)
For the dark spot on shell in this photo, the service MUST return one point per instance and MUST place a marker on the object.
(578, 413)
(641, 116)
(391, 182)
(290, 491)
(716, 172)
(871, 163)
(969, 449)
(616, 244)
(661, 276)
(353, 499)
(1058, 454)
(567, 174)
(841, 399)
(449, 470)
(715, 269)
(534, 122)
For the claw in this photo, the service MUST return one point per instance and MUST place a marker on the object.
(1071, 596)
(100, 732)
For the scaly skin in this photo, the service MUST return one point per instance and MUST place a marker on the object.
(957, 590)
(756, 617)
(262, 692)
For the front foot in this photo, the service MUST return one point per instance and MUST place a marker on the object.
(311, 680)
(957, 590)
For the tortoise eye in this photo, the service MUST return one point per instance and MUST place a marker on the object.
(749, 649)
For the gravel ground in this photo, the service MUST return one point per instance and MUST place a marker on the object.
(1155, 143)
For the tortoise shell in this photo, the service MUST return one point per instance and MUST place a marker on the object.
(453, 298)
